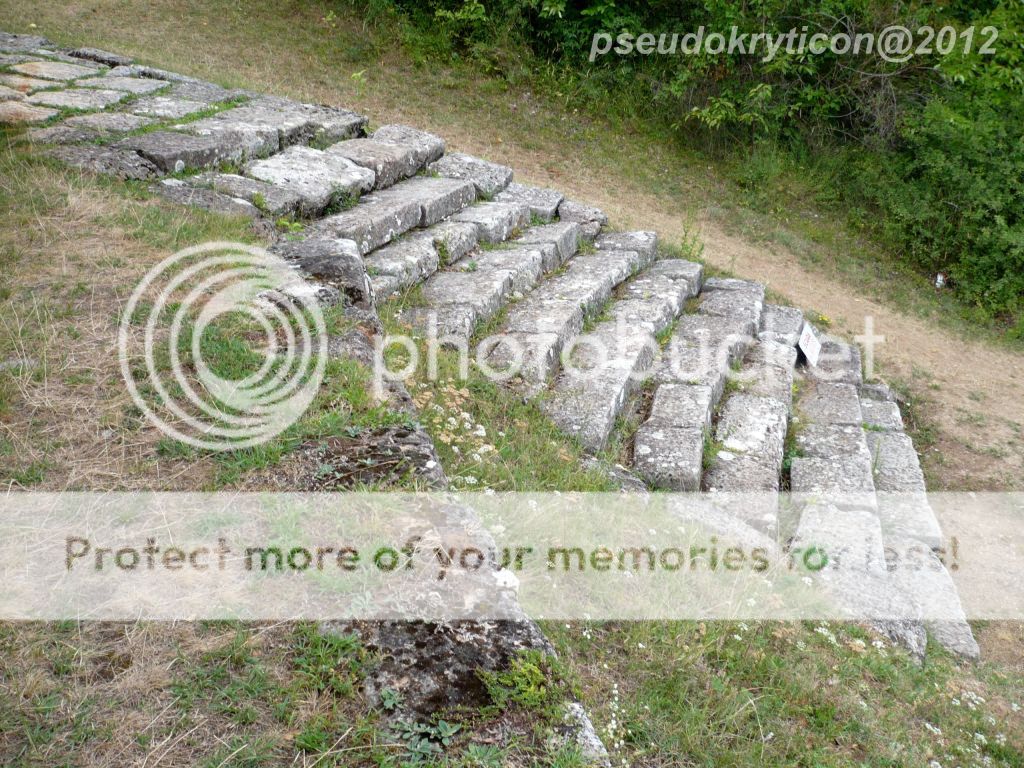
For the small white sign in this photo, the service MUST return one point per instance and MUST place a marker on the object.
(809, 344)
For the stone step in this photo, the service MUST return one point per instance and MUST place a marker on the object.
(729, 297)
(489, 178)
(384, 215)
(831, 440)
(320, 179)
(390, 161)
(481, 281)
(426, 146)
(608, 365)
(496, 222)
(781, 324)
(537, 328)
(417, 255)
(752, 424)
(543, 203)
(590, 219)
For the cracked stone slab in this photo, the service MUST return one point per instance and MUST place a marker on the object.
(881, 415)
(495, 221)
(838, 362)
(563, 239)
(173, 152)
(752, 432)
(895, 462)
(100, 56)
(136, 85)
(389, 162)
(482, 294)
(166, 107)
(335, 262)
(591, 392)
(845, 473)
(14, 112)
(826, 440)
(829, 403)
(645, 243)
(489, 178)
(26, 85)
(384, 215)
(78, 98)
(426, 146)
(22, 43)
(702, 350)
(272, 200)
(318, 178)
(590, 219)
(401, 264)
(85, 128)
(668, 449)
(180, 192)
(524, 264)
(282, 123)
(768, 371)
(208, 93)
(733, 298)
(55, 70)
(669, 458)
(140, 70)
(108, 160)
(610, 363)
(543, 203)
(781, 324)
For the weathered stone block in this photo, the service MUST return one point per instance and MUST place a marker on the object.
(669, 458)
(378, 219)
(318, 178)
(55, 70)
(495, 221)
(524, 264)
(172, 152)
(829, 403)
(644, 243)
(489, 178)
(101, 57)
(112, 161)
(14, 112)
(563, 236)
(838, 362)
(25, 85)
(272, 200)
(136, 85)
(426, 146)
(389, 162)
(166, 107)
(733, 298)
(881, 415)
(543, 203)
(183, 193)
(333, 261)
(77, 98)
(895, 463)
(781, 324)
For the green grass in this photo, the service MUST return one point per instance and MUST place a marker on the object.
(771, 694)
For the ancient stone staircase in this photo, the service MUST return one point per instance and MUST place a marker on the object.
(598, 324)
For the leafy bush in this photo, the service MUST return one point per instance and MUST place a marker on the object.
(934, 147)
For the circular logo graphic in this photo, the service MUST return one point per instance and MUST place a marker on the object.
(214, 354)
